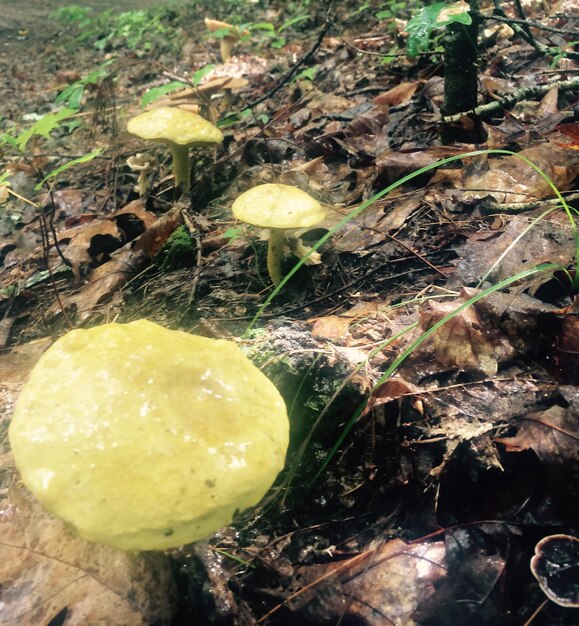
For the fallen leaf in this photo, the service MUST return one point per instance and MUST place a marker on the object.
(400, 94)
(548, 241)
(510, 180)
(331, 328)
(108, 279)
(379, 587)
(465, 342)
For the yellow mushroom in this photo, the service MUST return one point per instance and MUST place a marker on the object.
(231, 34)
(146, 438)
(279, 208)
(179, 130)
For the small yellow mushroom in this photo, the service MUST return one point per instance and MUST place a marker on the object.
(279, 208)
(179, 130)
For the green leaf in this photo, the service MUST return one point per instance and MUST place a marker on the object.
(44, 126)
(200, 74)
(232, 233)
(156, 92)
(72, 95)
(434, 16)
(266, 26)
(292, 22)
(55, 172)
(308, 74)
(8, 139)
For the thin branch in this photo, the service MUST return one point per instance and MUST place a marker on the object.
(523, 207)
(293, 71)
(524, 33)
(537, 25)
(508, 100)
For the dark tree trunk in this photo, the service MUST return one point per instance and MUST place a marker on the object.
(460, 79)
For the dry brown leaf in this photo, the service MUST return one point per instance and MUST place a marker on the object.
(108, 279)
(549, 103)
(400, 94)
(88, 241)
(331, 328)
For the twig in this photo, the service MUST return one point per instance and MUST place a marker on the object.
(508, 100)
(522, 207)
(537, 25)
(194, 233)
(293, 71)
(524, 33)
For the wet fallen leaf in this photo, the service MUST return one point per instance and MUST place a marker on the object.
(510, 179)
(465, 342)
(553, 435)
(548, 241)
(379, 587)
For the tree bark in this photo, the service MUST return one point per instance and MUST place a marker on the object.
(461, 78)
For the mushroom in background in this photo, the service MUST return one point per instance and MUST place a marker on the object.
(279, 208)
(179, 130)
(144, 165)
(146, 438)
(231, 34)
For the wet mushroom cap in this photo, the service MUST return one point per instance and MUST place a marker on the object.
(555, 565)
(173, 125)
(278, 206)
(146, 438)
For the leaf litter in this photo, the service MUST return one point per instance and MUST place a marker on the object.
(437, 483)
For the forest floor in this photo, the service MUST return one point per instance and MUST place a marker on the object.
(427, 348)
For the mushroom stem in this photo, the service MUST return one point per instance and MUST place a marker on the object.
(275, 254)
(225, 48)
(181, 166)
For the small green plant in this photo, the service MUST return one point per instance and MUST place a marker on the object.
(135, 29)
(17, 140)
(277, 36)
(431, 17)
(391, 10)
(308, 74)
(72, 15)
(158, 92)
(178, 252)
(71, 96)
(140, 30)
(42, 127)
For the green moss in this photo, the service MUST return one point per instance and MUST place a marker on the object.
(178, 252)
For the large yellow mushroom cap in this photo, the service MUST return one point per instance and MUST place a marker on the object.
(146, 438)
(173, 125)
(278, 206)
